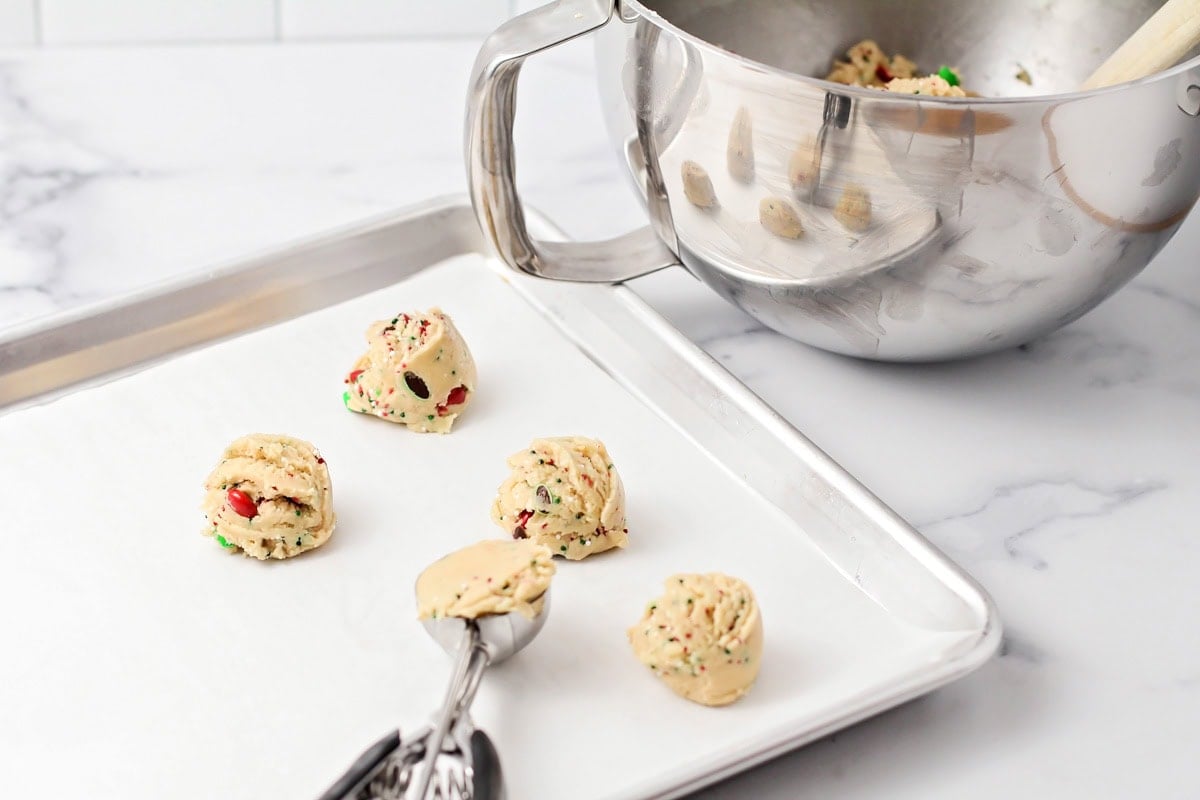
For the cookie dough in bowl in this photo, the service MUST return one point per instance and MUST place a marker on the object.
(703, 638)
(417, 371)
(269, 497)
(564, 493)
(489, 577)
(868, 65)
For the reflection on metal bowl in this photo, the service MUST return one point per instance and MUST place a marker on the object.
(919, 228)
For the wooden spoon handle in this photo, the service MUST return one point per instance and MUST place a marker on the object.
(1161, 42)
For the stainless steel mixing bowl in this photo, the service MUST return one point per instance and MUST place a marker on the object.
(992, 220)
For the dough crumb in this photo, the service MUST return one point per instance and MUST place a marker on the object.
(703, 638)
(269, 497)
(417, 371)
(489, 577)
(566, 494)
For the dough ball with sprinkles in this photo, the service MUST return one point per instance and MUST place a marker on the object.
(269, 497)
(563, 493)
(417, 371)
(703, 638)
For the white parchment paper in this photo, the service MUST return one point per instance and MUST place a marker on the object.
(141, 660)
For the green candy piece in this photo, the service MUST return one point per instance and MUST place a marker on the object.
(346, 402)
(947, 74)
(221, 541)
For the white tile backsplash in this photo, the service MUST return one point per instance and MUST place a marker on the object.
(324, 19)
(105, 21)
(17, 22)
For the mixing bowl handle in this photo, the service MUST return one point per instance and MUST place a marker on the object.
(489, 151)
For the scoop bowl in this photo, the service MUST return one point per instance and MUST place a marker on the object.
(501, 635)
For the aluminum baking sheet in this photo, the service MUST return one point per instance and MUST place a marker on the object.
(144, 661)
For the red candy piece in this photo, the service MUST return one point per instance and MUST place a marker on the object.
(240, 502)
(354, 375)
(522, 521)
(883, 73)
(457, 396)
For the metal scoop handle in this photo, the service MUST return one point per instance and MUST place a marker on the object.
(363, 768)
(473, 658)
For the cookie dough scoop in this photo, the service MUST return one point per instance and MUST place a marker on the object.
(482, 604)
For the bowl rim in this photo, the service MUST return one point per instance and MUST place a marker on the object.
(867, 93)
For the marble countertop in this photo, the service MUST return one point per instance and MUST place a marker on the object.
(1062, 474)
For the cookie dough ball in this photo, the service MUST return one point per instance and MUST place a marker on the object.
(490, 577)
(270, 497)
(564, 493)
(703, 638)
(740, 151)
(697, 186)
(803, 165)
(777, 216)
(853, 208)
(417, 371)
